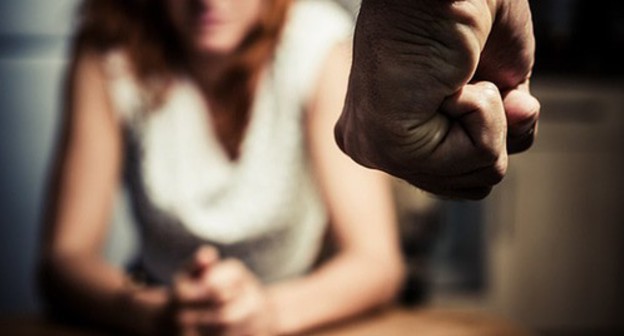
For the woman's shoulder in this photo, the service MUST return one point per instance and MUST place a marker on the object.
(312, 30)
(116, 63)
(118, 78)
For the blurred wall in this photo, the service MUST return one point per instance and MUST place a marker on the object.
(556, 223)
(33, 38)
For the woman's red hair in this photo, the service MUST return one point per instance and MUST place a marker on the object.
(141, 28)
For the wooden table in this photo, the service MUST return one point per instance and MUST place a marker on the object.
(391, 322)
(426, 322)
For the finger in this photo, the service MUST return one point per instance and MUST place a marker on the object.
(226, 280)
(233, 318)
(479, 108)
(476, 138)
(187, 286)
(223, 283)
(217, 320)
(188, 291)
(508, 56)
(522, 142)
(480, 178)
(522, 111)
(204, 257)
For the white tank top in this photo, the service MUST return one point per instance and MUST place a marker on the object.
(264, 208)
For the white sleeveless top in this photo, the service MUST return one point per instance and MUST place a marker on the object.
(264, 208)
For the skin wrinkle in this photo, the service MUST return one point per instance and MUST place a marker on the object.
(423, 140)
(354, 128)
(439, 47)
(440, 132)
(467, 13)
(484, 147)
(425, 143)
(490, 95)
(404, 53)
(421, 57)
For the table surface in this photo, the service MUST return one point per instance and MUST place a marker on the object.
(426, 322)
(391, 322)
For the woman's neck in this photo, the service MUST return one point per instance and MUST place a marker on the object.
(207, 70)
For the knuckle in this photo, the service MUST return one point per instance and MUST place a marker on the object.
(497, 172)
(488, 155)
(489, 91)
(535, 110)
(488, 99)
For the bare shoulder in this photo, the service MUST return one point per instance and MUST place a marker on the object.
(332, 80)
(109, 64)
(87, 66)
(88, 95)
(110, 79)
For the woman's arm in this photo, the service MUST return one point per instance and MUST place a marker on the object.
(74, 277)
(367, 271)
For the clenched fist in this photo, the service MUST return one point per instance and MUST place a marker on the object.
(438, 93)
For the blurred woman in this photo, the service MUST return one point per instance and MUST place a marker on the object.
(219, 117)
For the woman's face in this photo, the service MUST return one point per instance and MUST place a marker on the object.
(214, 27)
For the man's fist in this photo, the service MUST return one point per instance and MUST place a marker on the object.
(434, 86)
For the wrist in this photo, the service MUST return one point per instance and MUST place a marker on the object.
(273, 319)
(146, 309)
(283, 320)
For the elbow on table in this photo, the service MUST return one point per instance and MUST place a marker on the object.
(391, 281)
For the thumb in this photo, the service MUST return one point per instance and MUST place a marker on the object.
(522, 111)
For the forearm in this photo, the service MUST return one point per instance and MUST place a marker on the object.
(349, 284)
(93, 290)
